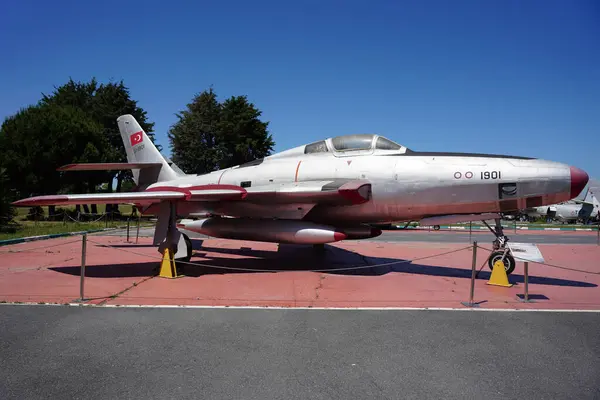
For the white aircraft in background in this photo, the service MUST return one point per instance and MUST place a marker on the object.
(328, 191)
(571, 211)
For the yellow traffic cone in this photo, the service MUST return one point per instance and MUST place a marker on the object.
(499, 277)
(167, 265)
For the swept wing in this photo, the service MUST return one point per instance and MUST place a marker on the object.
(315, 192)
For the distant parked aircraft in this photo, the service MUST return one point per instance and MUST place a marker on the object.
(572, 211)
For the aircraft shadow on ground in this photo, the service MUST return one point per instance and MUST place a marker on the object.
(207, 261)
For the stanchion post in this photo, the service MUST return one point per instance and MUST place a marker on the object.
(526, 281)
(82, 275)
(127, 230)
(471, 303)
(470, 224)
(598, 232)
(137, 236)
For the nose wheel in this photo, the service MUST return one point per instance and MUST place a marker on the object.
(507, 260)
(500, 251)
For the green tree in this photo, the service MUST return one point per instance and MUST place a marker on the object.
(244, 136)
(209, 135)
(194, 137)
(38, 139)
(104, 103)
(6, 210)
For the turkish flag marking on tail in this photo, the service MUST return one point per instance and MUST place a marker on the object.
(136, 138)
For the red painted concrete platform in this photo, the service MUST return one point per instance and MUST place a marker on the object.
(241, 273)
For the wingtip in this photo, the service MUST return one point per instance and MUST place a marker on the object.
(39, 201)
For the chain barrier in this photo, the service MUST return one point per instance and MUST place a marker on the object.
(548, 265)
(38, 248)
(353, 268)
(86, 222)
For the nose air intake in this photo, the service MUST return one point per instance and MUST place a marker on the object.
(579, 179)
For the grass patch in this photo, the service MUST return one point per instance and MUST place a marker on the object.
(32, 228)
(125, 209)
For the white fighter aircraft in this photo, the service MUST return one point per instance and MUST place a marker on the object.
(571, 211)
(328, 191)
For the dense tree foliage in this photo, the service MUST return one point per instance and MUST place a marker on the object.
(193, 137)
(210, 135)
(38, 139)
(104, 103)
(6, 211)
(77, 122)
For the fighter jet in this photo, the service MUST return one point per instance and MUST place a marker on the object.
(571, 211)
(328, 191)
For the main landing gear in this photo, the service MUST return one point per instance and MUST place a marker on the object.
(500, 251)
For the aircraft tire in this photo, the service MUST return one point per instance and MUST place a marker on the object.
(509, 261)
(436, 227)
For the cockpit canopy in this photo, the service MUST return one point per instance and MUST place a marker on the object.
(347, 145)
(356, 142)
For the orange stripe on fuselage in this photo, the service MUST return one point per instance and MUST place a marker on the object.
(297, 168)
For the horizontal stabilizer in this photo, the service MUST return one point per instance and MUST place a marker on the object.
(455, 218)
(106, 166)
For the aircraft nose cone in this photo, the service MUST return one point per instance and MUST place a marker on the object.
(579, 179)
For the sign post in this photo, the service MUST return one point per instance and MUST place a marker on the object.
(526, 252)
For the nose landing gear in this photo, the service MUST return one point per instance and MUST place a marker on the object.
(500, 251)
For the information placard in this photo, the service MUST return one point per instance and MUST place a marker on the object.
(525, 252)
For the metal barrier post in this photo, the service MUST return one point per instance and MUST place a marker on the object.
(137, 236)
(526, 281)
(127, 230)
(470, 240)
(470, 303)
(82, 276)
(598, 232)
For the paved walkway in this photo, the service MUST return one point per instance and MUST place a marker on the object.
(238, 273)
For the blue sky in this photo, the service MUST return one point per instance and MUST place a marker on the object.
(510, 77)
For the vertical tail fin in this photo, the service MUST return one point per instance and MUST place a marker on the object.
(140, 149)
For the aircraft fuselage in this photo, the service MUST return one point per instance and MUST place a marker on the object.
(404, 186)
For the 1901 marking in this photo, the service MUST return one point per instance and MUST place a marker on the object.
(491, 175)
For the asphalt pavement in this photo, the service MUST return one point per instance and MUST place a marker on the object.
(438, 237)
(104, 353)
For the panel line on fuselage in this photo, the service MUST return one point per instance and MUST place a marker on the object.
(297, 169)
(220, 176)
(453, 154)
